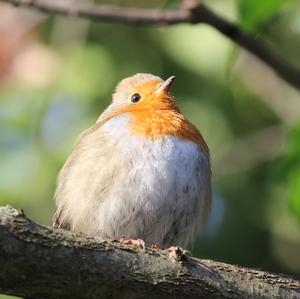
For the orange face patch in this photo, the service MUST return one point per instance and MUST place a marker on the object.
(156, 115)
(146, 89)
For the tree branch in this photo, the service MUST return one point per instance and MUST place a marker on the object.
(43, 262)
(190, 12)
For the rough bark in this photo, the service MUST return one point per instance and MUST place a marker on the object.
(191, 12)
(42, 262)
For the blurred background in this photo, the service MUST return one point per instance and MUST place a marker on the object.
(57, 75)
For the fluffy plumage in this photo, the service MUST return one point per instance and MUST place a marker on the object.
(142, 171)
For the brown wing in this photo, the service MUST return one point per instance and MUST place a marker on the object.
(57, 221)
(58, 217)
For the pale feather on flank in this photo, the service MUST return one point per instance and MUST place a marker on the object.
(142, 171)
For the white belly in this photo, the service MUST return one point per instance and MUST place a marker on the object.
(158, 190)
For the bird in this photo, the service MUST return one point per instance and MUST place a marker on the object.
(142, 171)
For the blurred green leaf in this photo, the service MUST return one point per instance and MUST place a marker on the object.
(254, 13)
(294, 148)
(287, 171)
(293, 159)
(294, 198)
(88, 72)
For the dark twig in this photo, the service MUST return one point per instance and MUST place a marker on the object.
(190, 12)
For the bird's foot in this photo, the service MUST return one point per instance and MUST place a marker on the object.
(156, 246)
(176, 253)
(136, 242)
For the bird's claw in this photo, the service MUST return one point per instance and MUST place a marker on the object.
(136, 242)
(156, 246)
(177, 254)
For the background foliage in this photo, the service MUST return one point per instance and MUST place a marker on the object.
(58, 74)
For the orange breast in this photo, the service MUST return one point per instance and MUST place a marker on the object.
(159, 123)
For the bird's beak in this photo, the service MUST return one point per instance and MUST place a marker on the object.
(165, 87)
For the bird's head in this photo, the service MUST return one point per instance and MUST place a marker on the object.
(143, 92)
(151, 108)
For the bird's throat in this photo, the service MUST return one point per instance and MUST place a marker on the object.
(161, 123)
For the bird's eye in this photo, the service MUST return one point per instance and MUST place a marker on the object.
(135, 98)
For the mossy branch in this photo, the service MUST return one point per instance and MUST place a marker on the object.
(43, 262)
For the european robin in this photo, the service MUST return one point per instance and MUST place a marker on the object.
(142, 171)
